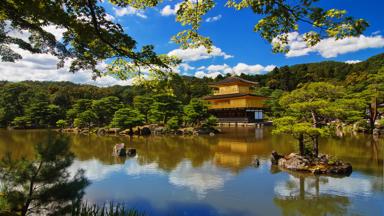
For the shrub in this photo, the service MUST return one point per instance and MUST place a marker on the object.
(173, 123)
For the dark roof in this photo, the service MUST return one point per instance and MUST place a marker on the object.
(233, 80)
(228, 96)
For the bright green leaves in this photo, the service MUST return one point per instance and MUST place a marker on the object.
(190, 13)
(138, 4)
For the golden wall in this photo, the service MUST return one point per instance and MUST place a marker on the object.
(237, 103)
(232, 89)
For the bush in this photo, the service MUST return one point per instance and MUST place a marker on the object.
(21, 122)
(210, 122)
(362, 125)
(61, 123)
(381, 123)
(173, 123)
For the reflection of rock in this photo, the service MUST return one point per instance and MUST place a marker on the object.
(199, 179)
(119, 150)
(131, 152)
(319, 165)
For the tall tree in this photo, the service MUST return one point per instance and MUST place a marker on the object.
(42, 186)
(127, 118)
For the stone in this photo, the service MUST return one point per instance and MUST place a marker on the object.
(275, 157)
(145, 131)
(376, 131)
(256, 162)
(211, 134)
(131, 152)
(317, 166)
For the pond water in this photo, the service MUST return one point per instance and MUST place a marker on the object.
(206, 175)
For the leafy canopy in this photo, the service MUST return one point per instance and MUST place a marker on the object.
(90, 37)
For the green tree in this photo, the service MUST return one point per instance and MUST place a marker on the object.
(21, 122)
(61, 123)
(127, 118)
(173, 123)
(374, 95)
(81, 19)
(85, 119)
(311, 105)
(143, 104)
(105, 108)
(196, 111)
(42, 185)
(164, 107)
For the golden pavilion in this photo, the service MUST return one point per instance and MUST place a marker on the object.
(233, 101)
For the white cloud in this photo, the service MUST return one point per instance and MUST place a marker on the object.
(269, 68)
(331, 47)
(352, 61)
(169, 11)
(129, 11)
(213, 19)
(201, 74)
(109, 17)
(186, 67)
(198, 53)
(224, 68)
(213, 71)
(43, 67)
(242, 68)
(376, 32)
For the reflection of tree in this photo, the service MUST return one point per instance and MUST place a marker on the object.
(301, 196)
(42, 185)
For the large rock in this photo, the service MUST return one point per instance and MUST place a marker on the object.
(318, 165)
(145, 131)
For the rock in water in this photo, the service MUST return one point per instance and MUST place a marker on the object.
(145, 131)
(275, 157)
(122, 152)
(318, 165)
(256, 162)
(131, 152)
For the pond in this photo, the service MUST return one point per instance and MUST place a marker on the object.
(203, 175)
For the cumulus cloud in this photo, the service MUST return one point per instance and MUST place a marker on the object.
(213, 71)
(169, 11)
(43, 67)
(199, 53)
(331, 47)
(213, 19)
(129, 11)
(201, 74)
(352, 61)
(186, 67)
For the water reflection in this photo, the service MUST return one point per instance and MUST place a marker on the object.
(214, 175)
(301, 195)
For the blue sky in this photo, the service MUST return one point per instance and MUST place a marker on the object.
(238, 47)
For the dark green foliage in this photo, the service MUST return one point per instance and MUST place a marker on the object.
(42, 185)
(127, 118)
(196, 111)
(173, 123)
(164, 107)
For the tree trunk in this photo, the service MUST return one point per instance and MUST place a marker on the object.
(372, 114)
(315, 141)
(301, 144)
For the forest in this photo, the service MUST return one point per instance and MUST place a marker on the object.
(355, 92)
